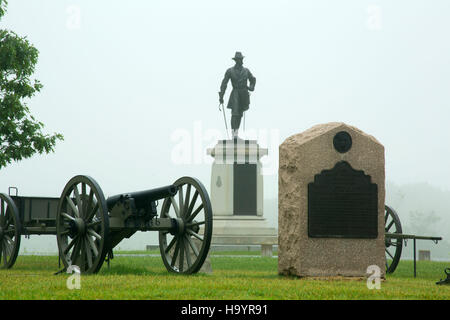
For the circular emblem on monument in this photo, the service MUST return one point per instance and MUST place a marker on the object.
(218, 182)
(342, 141)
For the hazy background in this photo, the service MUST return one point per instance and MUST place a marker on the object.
(128, 83)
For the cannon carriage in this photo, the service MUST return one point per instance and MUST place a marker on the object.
(394, 239)
(88, 226)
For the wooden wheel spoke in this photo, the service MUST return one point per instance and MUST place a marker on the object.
(73, 207)
(93, 245)
(65, 215)
(175, 207)
(188, 255)
(10, 249)
(10, 230)
(93, 212)
(175, 254)
(3, 247)
(82, 257)
(83, 198)
(87, 249)
(393, 243)
(7, 247)
(8, 221)
(79, 202)
(390, 225)
(76, 252)
(65, 232)
(192, 204)
(385, 224)
(181, 201)
(94, 234)
(170, 245)
(196, 235)
(5, 219)
(2, 209)
(69, 246)
(192, 245)
(94, 224)
(387, 251)
(195, 224)
(181, 260)
(195, 213)
(5, 256)
(89, 203)
(186, 201)
(9, 241)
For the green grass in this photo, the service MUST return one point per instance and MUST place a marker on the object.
(232, 278)
(214, 253)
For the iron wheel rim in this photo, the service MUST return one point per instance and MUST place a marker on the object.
(392, 224)
(82, 225)
(10, 227)
(189, 244)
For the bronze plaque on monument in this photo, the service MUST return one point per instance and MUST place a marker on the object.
(342, 203)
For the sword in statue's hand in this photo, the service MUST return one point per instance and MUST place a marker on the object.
(221, 108)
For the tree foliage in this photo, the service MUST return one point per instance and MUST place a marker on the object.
(20, 133)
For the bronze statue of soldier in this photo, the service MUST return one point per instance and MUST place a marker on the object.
(242, 81)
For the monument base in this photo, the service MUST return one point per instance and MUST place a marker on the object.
(236, 178)
(243, 230)
(237, 195)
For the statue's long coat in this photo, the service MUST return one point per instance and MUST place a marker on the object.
(239, 100)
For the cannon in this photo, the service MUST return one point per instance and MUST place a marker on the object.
(394, 238)
(88, 226)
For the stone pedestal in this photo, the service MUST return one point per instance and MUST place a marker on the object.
(331, 203)
(237, 194)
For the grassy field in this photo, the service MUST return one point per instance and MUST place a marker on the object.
(145, 277)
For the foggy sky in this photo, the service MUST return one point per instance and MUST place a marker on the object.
(122, 80)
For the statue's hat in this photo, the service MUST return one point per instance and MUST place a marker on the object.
(238, 55)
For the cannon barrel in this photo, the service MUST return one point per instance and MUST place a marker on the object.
(143, 199)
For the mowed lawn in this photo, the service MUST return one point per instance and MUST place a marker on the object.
(145, 277)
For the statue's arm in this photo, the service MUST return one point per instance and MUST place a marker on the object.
(252, 81)
(225, 80)
(223, 86)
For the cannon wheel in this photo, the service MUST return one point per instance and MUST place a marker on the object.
(82, 225)
(393, 247)
(9, 232)
(184, 249)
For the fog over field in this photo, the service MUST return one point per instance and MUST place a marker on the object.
(133, 87)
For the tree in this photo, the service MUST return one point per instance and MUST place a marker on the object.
(20, 133)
